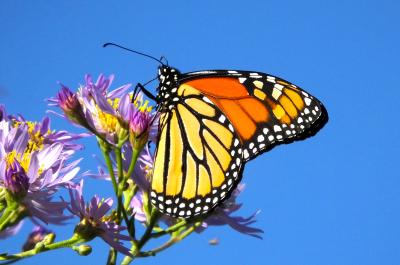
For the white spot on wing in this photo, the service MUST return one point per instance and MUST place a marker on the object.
(245, 154)
(276, 93)
(279, 86)
(206, 99)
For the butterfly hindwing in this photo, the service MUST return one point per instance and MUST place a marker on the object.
(198, 158)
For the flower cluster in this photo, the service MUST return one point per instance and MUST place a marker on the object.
(33, 166)
(37, 162)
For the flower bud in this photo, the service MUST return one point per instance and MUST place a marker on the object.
(83, 250)
(16, 181)
(139, 126)
(38, 234)
(69, 103)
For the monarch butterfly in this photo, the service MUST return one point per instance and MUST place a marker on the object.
(212, 123)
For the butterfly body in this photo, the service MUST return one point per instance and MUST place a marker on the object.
(212, 123)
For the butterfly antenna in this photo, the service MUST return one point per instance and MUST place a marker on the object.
(148, 82)
(165, 59)
(140, 53)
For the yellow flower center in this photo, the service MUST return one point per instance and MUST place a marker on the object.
(142, 105)
(35, 143)
(24, 160)
(108, 122)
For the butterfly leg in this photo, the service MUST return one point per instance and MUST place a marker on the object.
(140, 87)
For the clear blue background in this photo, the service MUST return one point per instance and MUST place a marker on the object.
(333, 199)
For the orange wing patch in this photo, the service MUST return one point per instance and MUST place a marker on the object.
(220, 87)
(254, 109)
(262, 109)
(232, 97)
(242, 122)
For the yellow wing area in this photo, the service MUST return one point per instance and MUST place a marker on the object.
(197, 162)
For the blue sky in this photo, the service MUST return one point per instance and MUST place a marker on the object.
(332, 199)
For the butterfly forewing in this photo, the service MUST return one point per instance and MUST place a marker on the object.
(264, 110)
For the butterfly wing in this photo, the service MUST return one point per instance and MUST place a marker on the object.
(197, 162)
(216, 121)
(264, 110)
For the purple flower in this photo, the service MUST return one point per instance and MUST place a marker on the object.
(223, 216)
(38, 233)
(101, 112)
(93, 219)
(137, 207)
(142, 122)
(40, 134)
(35, 169)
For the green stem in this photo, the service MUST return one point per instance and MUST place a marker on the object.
(12, 215)
(106, 154)
(146, 236)
(75, 239)
(124, 179)
(6, 216)
(170, 242)
(135, 156)
(170, 229)
(128, 195)
(118, 157)
(112, 255)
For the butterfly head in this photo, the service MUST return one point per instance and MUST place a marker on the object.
(167, 88)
